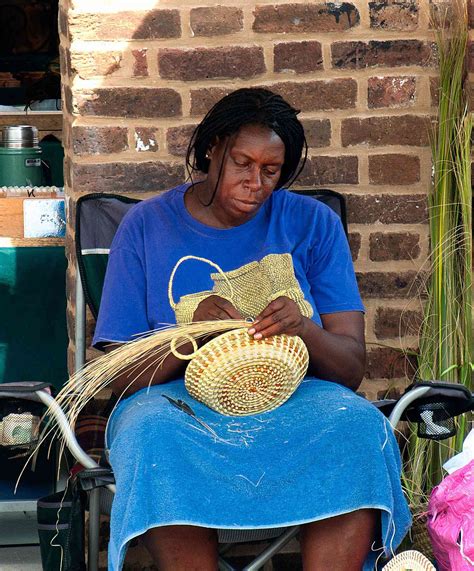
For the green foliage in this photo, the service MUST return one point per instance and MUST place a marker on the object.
(446, 335)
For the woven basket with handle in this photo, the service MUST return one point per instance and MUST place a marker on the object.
(237, 375)
(410, 561)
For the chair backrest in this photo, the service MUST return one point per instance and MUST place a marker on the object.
(98, 217)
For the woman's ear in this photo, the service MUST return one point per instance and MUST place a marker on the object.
(212, 148)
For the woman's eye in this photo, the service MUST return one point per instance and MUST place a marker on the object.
(269, 172)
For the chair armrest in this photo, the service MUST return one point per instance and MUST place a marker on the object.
(65, 428)
(95, 478)
(385, 406)
(456, 399)
(27, 390)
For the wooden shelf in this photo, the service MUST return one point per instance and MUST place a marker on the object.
(6, 242)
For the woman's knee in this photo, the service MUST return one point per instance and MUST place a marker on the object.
(182, 547)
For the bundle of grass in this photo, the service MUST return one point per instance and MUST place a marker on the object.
(152, 347)
(446, 341)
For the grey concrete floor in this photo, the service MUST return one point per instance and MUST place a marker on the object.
(20, 558)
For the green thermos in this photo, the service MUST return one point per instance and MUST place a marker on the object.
(20, 156)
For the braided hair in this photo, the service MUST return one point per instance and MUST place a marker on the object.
(250, 106)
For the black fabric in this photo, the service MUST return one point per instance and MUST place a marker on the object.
(61, 529)
(98, 216)
(453, 399)
(95, 478)
(23, 387)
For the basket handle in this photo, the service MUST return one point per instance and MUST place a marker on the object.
(183, 259)
(184, 356)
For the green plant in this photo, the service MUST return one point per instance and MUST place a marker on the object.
(446, 335)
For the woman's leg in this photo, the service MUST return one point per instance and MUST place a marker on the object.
(182, 547)
(339, 543)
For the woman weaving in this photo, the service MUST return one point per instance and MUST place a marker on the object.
(326, 459)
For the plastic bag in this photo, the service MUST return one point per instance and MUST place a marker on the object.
(451, 520)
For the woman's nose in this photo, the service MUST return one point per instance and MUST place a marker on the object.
(255, 179)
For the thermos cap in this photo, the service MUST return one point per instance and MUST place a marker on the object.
(18, 136)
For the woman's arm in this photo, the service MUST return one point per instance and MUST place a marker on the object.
(336, 350)
(210, 309)
(147, 373)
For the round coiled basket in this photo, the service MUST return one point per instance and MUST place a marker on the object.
(237, 375)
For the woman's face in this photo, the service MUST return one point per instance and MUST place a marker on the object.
(251, 169)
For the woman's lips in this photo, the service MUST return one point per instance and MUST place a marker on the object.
(249, 203)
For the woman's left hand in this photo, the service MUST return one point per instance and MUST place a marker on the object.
(282, 315)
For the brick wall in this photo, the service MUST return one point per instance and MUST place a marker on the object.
(362, 73)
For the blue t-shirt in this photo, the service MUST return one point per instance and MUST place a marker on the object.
(294, 246)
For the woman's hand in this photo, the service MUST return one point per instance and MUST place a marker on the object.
(215, 308)
(282, 315)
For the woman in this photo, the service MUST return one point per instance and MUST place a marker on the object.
(326, 459)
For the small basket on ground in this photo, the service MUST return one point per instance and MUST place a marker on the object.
(409, 561)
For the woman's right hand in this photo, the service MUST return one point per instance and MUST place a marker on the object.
(215, 308)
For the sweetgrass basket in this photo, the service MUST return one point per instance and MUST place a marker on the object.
(409, 561)
(237, 375)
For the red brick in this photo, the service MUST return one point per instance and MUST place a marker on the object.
(177, 139)
(388, 284)
(99, 140)
(391, 53)
(390, 392)
(394, 169)
(354, 244)
(317, 132)
(470, 56)
(301, 18)
(63, 25)
(387, 363)
(387, 208)
(94, 64)
(391, 323)
(216, 21)
(323, 170)
(128, 102)
(394, 246)
(67, 98)
(410, 130)
(397, 15)
(145, 139)
(127, 177)
(65, 61)
(434, 90)
(299, 57)
(441, 13)
(396, 91)
(211, 63)
(140, 64)
(149, 25)
(203, 99)
(306, 96)
(318, 95)
(68, 173)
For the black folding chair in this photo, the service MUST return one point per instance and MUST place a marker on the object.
(432, 404)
